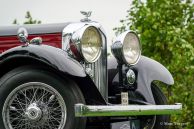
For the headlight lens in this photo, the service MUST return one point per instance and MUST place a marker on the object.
(91, 44)
(131, 48)
(86, 44)
(127, 48)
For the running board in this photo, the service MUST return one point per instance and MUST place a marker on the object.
(82, 110)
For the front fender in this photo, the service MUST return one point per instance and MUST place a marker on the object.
(49, 55)
(55, 58)
(148, 70)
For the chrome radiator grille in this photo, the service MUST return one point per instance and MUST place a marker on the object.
(99, 68)
(99, 74)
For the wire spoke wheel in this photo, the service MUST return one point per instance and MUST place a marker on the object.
(34, 105)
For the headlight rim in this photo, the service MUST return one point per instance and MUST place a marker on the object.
(77, 41)
(140, 48)
(118, 50)
(99, 53)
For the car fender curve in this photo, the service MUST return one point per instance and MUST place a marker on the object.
(54, 57)
(149, 70)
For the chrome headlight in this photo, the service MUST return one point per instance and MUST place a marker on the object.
(127, 48)
(88, 42)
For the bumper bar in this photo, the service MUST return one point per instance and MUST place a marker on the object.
(129, 110)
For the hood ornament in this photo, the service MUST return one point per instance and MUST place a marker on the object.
(87, 15)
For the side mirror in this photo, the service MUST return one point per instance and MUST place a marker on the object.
(22, 35)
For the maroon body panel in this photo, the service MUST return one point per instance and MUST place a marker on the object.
(7, 42)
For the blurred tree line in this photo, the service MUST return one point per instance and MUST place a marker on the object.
(166, 30)
(28, 20)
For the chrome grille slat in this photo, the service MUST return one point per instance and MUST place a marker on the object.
(99, 75)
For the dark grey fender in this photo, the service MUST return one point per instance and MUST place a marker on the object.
(51, 56)
(55, 58)
(148, 70)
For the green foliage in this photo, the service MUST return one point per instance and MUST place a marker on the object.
(15, 21)
(166, 31)
(29, 20)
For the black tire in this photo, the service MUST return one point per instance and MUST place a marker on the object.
(67, 89)
(160, 99)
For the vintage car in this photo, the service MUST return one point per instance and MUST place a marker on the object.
(58, 76)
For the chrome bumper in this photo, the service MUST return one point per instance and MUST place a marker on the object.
(129, 110)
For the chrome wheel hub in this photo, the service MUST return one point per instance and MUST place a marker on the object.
(34, 105)
(33, 112)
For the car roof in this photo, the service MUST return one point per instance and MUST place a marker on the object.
(33, 29)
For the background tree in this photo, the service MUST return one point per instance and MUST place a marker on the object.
(28, 19)
(166, 30)
(15, 21)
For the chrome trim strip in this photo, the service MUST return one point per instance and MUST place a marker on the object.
(82, 110)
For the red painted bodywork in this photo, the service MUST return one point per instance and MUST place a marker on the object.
(7, 42)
